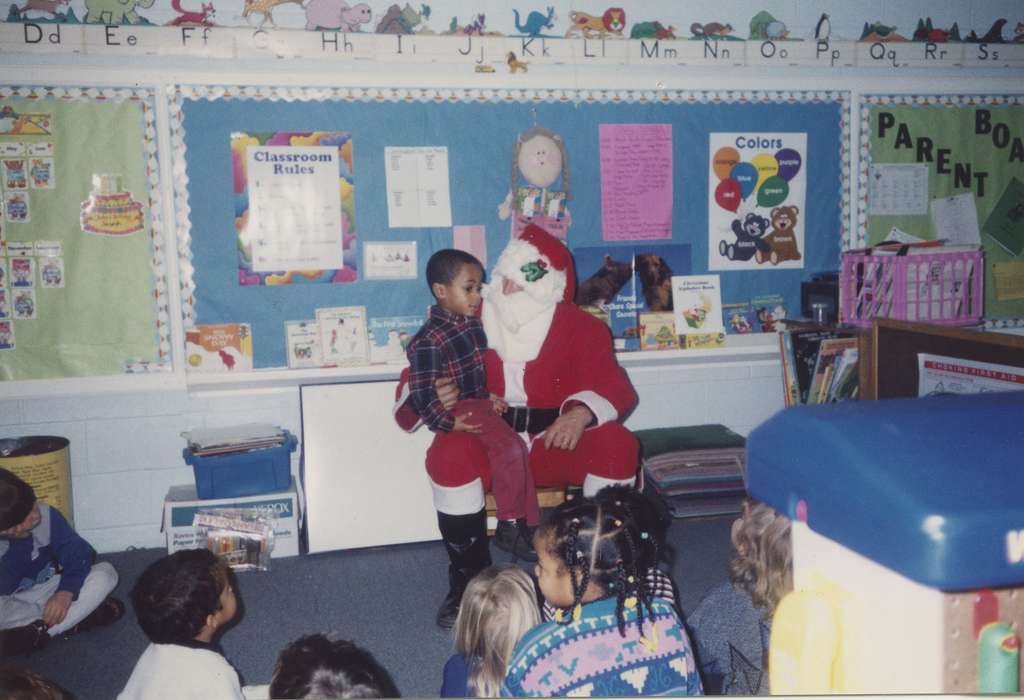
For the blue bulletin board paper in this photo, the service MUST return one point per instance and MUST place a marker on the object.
(479, 130)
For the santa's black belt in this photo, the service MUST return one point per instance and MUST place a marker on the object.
(530, 420)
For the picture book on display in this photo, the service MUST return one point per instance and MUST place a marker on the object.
(698, 306)
(623, 282)
(390, 336)
(303, 344)
(343, 339)
(220, 347)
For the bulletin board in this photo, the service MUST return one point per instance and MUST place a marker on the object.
(475, 131)
(943, 166)
(83, 290)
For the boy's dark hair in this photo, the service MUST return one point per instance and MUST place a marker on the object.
(176, 593)
(317, 667)
(599, 541)
(16, 500)
(23, 684)
(445, 264)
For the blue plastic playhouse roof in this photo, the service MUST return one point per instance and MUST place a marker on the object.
(932, 488)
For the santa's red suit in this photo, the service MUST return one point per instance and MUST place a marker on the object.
(561, 357)
(544, 353)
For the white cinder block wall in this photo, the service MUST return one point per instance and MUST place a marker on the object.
(126, 447)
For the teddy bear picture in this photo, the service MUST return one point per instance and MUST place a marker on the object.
(749, 238)
(782, 239)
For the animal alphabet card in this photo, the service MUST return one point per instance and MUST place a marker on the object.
(756, 201)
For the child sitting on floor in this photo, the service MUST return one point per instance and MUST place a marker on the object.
(732, 624)
(610, 635)
(36, 602)
(317, 667)
(498, 608)
(182, 600)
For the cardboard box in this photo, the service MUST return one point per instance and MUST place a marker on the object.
(181, 505)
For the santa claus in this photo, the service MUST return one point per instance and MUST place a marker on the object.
(555, 367)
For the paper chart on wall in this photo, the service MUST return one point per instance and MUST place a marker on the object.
(417, 182)
(636, 181)
(389, 260)
(294, 209)
(757, 192)
(956, 219)
(898, 188)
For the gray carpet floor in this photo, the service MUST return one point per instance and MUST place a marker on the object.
(383, 599)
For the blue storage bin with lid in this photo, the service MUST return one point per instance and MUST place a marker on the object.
(250, 473)
(930, 488)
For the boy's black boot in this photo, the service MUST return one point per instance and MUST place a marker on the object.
(514, 537)
(106, 613)
(23, 640)
(465, 540)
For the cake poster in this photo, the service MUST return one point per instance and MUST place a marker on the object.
(294, 207)
(756, 201)
(110, 210)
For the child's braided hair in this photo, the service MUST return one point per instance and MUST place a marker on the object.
(599, 542)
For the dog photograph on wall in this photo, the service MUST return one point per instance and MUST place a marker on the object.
(618, 283)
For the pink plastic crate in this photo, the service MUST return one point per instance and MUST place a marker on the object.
(943, 288)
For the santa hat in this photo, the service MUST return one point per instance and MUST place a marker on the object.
(558, 257)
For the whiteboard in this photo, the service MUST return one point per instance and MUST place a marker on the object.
(365, 480)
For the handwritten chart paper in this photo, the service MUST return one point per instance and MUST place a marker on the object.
(417, 180)
(294, 208)
(898, 188)
(956, 219)
(636, 181)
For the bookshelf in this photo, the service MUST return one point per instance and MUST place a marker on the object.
(893, 346)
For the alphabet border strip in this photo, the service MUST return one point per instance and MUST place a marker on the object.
(243, 42)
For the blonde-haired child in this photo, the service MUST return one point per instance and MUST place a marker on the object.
(610, 635)
(498, 607)
(732, 624)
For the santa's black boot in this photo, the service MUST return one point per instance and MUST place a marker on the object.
(23, 640)
(465, 540)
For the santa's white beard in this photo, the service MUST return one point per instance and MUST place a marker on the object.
(516, 324)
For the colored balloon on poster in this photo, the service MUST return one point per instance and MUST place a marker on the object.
(772, 192)
(724, 161)
(727, 194)
(789, 163)
(746, 175)
(766, 166)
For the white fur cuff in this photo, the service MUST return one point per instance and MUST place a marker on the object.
(459, 500)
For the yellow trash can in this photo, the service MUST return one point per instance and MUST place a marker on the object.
(42, 462)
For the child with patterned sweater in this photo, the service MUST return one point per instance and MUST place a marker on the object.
(610, 636)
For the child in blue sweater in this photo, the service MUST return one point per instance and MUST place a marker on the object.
(610, 635)
(48, 582)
